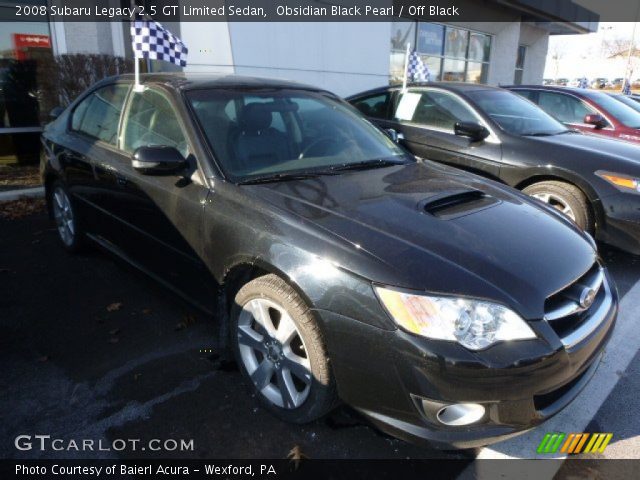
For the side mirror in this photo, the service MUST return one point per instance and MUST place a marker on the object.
(474, 131)
(596, 120)
(55, 113)
(394, 135)
(158, 160)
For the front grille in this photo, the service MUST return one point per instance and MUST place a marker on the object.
(565, 310)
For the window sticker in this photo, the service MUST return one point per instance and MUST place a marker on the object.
(407, 106)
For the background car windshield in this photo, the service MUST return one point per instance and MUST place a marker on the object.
(256, 133)
(625, 114)
(628, 101)
(514, 114)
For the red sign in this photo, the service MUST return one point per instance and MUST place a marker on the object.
(24, 41)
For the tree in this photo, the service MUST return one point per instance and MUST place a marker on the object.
(66, 76)
(558, 52)
(619, 48)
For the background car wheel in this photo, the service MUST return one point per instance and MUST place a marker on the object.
(566, 198)
(66, 218)
(279, 349)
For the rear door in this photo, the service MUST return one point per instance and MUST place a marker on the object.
(91, 140)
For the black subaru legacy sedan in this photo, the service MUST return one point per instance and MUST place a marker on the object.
(444, 307)
(595, 181)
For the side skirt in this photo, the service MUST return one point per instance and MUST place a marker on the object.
(114, 249)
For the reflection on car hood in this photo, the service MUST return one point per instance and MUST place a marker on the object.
(595, 148)
(433, 226)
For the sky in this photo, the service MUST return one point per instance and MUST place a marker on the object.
(585, 55)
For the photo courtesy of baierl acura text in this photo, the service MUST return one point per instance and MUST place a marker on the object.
(319, 239)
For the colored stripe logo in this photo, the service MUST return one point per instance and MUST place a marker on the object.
(573, 443)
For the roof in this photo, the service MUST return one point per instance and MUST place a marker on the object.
(455, 86)
(452, 86)
(191, 81)
(582, 92)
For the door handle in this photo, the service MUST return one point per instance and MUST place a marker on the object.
(120, 180)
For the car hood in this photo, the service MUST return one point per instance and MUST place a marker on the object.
(596, 150)
(423, 226)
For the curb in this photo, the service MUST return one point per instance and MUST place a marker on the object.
(17, 194)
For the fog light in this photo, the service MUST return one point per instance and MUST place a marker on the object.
(460, 414)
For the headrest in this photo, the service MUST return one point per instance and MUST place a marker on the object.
(254, 117)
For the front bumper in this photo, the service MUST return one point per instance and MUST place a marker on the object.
(621, 226)
(390, 375)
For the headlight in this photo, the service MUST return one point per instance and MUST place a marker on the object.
(473, 324)
(622, 182)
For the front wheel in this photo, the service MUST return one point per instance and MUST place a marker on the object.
(280, 350)
(565, 198)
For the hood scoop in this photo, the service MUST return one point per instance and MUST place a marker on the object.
(451, 204)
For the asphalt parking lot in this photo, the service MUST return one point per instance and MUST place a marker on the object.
(90, 348)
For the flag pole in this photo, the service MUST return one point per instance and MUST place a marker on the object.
(406, 64)
(136, 69)
(628, 71)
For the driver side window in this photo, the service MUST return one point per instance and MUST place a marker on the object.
(433, 109)
(152, 121)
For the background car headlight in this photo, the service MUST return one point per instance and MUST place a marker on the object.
(472, 323)
(622, 182)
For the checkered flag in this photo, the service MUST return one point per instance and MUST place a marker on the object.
(151, 40)
(626, 89)
(417, 71)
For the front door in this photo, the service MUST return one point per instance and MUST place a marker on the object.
(426, 119)
(160, 216)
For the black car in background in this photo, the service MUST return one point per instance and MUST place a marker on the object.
(632, 101)
(443, 306)
(500, 135)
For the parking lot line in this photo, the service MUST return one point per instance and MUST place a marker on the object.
(622, 348)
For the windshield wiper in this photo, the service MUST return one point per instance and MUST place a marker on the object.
(283, 177)
(366, 164)
(333, 170)
(544, 134)
(277, 177)
(537, 134)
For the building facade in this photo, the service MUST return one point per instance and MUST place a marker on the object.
(342, 57)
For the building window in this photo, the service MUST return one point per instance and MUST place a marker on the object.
(522, 52)
(25, 54)
(451, 54)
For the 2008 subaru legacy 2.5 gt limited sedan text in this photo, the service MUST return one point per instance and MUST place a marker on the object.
(441, 305)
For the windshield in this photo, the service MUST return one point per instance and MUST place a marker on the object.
(514, 114)
(277, 132)
(628, 102)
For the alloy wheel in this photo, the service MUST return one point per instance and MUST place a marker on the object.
(556, 202)
(63, 214)
(273, 353)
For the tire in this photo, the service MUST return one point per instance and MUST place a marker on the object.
(289, 368)
(68, 223)
(566, 198)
